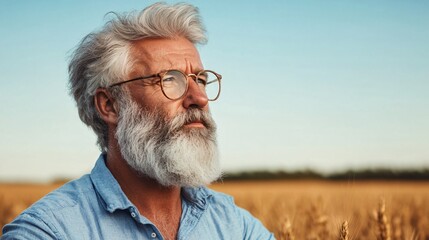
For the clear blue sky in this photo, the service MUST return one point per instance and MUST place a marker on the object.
(326, 85)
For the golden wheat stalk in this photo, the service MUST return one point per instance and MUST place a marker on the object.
(344, 231)
(383, 225)
(286, 230)
(397, 233)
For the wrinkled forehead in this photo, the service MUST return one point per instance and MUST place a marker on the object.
(150, 56)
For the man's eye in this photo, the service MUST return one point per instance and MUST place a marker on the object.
(202, 81)
(169, 79)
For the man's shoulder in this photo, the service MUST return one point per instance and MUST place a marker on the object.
(221, 211)
(66, 196)
(43, 219)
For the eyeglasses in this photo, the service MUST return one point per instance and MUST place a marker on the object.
(175, 84)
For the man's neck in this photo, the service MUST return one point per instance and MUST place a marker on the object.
(160, 204)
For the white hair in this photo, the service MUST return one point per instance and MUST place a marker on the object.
(102, 57)
(162, 149)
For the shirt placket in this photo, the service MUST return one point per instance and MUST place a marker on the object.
(149, 227)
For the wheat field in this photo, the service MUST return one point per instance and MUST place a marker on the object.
(302, 210)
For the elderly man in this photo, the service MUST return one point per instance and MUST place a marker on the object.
(140, 85)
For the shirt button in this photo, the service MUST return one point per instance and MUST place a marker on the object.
(133, 214)
(153, 235)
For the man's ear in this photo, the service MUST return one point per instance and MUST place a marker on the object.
(105, 105)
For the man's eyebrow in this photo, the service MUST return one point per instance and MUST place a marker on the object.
(194, 71)
(163, 70)
(197, 70)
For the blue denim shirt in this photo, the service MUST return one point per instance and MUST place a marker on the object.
(95, 207)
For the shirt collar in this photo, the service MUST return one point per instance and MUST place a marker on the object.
(114, 198)
(108, 188)
(197, 196)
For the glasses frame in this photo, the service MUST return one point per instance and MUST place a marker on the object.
(161, 75)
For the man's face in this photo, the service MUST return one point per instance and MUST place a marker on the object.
(156, 55)
(173, 142)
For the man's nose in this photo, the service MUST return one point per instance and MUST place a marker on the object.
(195, 96)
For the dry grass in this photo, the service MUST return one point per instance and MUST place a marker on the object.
(303, 210)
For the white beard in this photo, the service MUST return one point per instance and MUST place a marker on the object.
(162, 149)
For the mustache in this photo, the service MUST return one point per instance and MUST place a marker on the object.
(190, 116)
(154, 126)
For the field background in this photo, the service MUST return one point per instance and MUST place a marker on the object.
(300, 209)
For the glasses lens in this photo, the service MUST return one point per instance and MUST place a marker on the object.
(210, 83)
(174, 84)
